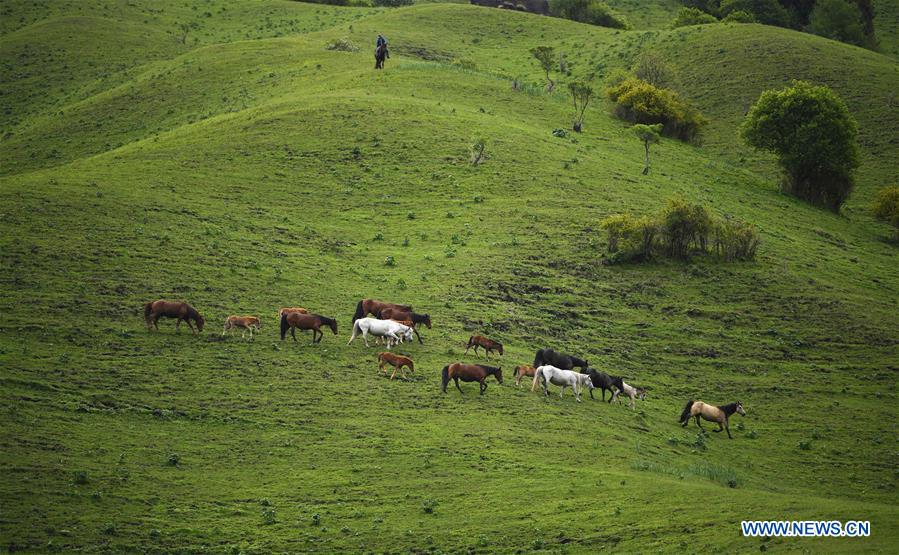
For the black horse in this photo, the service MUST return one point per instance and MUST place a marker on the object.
(380, 55)
(604, 382)
(559, 360)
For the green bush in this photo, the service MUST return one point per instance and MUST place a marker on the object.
(769, 12)
(739, 16)
(838, 20)
(637, 101)
(810, 130)
(692, 16)
(678, 231)
(593, 12)
(886, 208)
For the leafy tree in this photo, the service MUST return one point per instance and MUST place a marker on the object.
(739, 16)
(581, 93)
(652, 68)
(637, 101)
(186, 28)
(477, 149)
(649, 134)
(594, 12)
(769, 12)
(692, 16)
(838, 20)
(886, 208)
(813, 135)
(546, 56)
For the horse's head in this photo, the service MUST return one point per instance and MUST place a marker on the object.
(641, 394)
(740, 409)
(426, 320)
(499, 375)
(499, 347)
(333, 325)
(200, 321)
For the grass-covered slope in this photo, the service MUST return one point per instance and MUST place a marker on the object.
(253, 174)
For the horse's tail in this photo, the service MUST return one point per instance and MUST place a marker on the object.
(444, 378)
(359, 311)
(515, 373)
(355, 329)
(148, 308)
(686, 414)
(538, 374)
(284, 326)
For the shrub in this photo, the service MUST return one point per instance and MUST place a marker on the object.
(391, 3)
(735, 240)
(886, 208)
(739, 16)
(692, 16)
(476, 150)
(769, 12)
(653, 69)
(342, 45)
(581, 93)
(637, 101)
(812, 133)
(838, 20)
(593, 12)
(683, 225)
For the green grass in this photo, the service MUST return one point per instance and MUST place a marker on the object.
(248, 173)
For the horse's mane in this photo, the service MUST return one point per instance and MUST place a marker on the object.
(728, 409)
(417, 318)
(326, 320)
(193, 312)
(489, 369)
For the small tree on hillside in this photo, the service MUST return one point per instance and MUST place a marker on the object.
(652, 68)
(886, 208)
(813, 135)
(838, 20)
(649, 134)
(476, 150)
(581, 93)
(186, 28)
(547, 58)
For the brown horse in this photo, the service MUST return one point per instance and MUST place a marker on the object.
(284, 311)
(720, 415)
(469, 373)
(373, 307)
(155, 310)
(245, 323)
(522, 371)
(404, 316)
(314, 322)
(488, 345)
(397, 361)
(381, 54)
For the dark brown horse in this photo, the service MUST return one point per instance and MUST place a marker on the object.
(373, 307)
(155, 310)
(380, 56)
(488, 345)
(469, 373)
(392, 313)
(293, 320)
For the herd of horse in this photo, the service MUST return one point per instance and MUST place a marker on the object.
(397, 323)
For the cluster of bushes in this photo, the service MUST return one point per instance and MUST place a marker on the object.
(886, 208)
(594, 12)
(639, 101)
(364, 3)
(850, 21)
(678, 231)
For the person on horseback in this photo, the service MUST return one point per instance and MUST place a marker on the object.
(382, 42)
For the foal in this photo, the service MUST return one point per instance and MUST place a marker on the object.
(245, 323)
(487, 344)
(397, 361)
(630, 391)
(522, 371)
(720, 415)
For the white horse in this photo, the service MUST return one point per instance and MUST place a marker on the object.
(550, 374)
(630, 391)
(393, 331)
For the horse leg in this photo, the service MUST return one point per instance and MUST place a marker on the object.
(190, 326)
(720, 428)
(394, 372)
(727, 427)
(456, 379)
(483, 385)
(698, 423)
(415, 331)
(365, 337)
(293, 333)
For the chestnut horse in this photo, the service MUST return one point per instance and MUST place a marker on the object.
(404, 316)
(373, 307)
(284, 311)
(488, 345)
(397, 361)
(245, 323)
(469, 373)
(522, 371)
(719, 415)
(155, 310)
(314, 322)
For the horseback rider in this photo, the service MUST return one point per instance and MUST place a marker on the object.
(382, 42)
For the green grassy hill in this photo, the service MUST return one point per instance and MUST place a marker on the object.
(252, 168)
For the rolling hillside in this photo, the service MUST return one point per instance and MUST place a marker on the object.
(249, 168)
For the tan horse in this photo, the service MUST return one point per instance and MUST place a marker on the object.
(522, 371)
(397, 361)
(245, 323)
(720, 415)
(291, 310)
